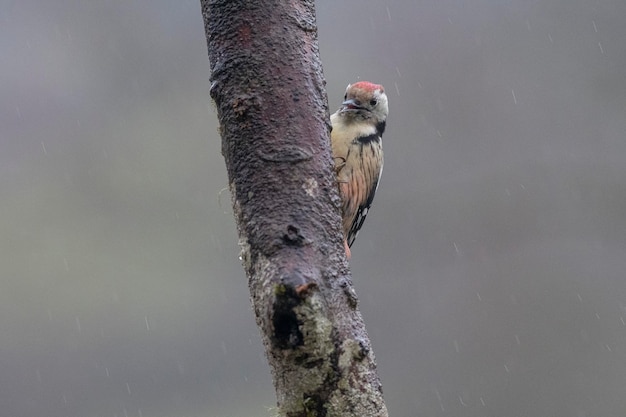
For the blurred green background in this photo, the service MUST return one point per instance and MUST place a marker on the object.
(491, 269)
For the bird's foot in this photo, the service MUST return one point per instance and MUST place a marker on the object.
(348, 253)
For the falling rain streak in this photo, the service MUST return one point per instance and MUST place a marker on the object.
(111, 153)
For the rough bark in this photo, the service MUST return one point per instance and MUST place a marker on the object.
(268, 86)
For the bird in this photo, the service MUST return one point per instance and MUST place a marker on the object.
(357, 148)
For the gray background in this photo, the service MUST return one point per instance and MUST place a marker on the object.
(491, 270)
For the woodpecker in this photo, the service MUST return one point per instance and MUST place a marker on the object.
(356, 139)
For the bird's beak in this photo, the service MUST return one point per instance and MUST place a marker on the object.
(350, 105)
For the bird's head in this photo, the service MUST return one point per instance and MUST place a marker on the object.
(365, 100)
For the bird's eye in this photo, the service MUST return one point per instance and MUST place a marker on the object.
(373, 102)
(345, 97)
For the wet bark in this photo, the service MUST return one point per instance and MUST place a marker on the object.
(268, 87)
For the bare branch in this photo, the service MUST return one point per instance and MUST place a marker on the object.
(267, 83)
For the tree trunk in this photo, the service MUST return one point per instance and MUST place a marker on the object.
(268, 86)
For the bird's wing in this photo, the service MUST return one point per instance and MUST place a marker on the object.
(358, 181)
